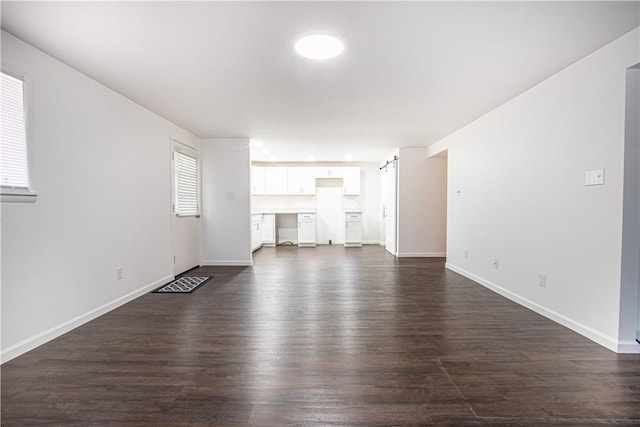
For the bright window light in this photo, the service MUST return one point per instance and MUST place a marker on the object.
(319, 47)
(186, 178)
(14, 166)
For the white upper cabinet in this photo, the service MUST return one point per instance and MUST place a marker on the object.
(275, 179)
(257, 180)
(351, 180)
(301, 180)
(329, 171)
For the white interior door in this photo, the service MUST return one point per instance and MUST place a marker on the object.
(390, 177)
(330, 212)
(185, 229)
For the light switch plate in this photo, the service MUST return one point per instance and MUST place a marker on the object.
(594, 177)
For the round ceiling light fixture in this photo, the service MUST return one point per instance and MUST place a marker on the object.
(319, 47)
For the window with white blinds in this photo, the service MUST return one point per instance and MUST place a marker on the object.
(186, 192)
(14, 167)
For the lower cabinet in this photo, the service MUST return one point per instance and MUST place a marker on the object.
(306, 230)
(256, 232)
(268, 230)
(353, 229)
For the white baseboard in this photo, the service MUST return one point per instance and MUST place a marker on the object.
(586, 331)
(43, 337)
(226, 263)
(421, 254)
(628, 347)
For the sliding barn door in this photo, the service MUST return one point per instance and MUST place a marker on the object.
(389, 210)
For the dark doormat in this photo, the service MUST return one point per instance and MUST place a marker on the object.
(183, 285)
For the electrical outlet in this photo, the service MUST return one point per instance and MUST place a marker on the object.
(542, 279)
(495, 263)
(466, 253)
(119, 273)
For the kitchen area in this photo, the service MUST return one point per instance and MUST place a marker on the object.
(306, 205)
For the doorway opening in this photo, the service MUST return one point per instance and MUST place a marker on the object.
(329, 210)
(389, 198)
(629, 328)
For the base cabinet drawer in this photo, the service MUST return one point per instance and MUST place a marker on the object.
(353, 229)
(268, 230)
(306, 230)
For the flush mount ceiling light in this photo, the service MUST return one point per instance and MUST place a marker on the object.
(319, 47)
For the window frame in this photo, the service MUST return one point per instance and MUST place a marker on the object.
(187, 151)
(22, 195)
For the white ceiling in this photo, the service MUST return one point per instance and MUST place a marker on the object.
(411, 73)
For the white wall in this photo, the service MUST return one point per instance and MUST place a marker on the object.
(520, 172)
(226, 212)
(101, 168)
(422, 204)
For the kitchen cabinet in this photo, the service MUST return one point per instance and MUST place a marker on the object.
(256, 232)
(268, 230)
(275, 179)
(329, 171)
(351, 180)
(306, 230)
(301, 180)
(353, 229)
(257, 180)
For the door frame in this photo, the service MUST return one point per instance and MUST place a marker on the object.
(390, 227)
(184, 255)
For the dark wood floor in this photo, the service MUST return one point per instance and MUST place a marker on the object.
(324, 336)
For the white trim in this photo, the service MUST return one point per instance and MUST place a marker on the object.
(18, 197)
(178, 144)
(421, 254)
(48, 335)
(628, 347)
(586, 331)
(228, 263)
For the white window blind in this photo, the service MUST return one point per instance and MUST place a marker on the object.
(14, 172)
(186, 184)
